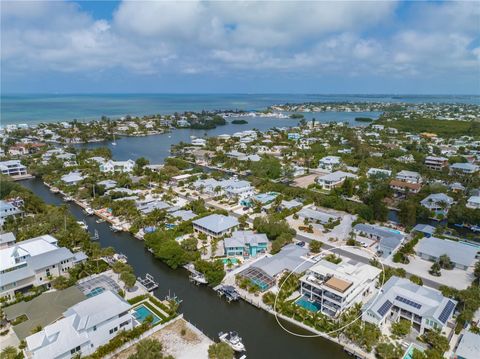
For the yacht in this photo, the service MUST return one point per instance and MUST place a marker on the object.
(233, 340)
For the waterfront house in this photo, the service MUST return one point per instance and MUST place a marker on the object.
(215, 225)
(473, 202)
(426, 308)
(148, 206)
(199, 142)
(329, 163)
(334, 179)
(117, 166)
(438, 203)
(72, 178)
(83, 328)
(13, 168)
(265, 272)
(333, 288)
(8, 209)
(436, 163)
(245, 243)
(33, 262)
(424, 229)
(409, 176)
(462, 255)
(231, 188)
(464, 168)
(402, 188)
(387, 239)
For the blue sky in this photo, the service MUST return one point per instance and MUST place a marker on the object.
(240, 47)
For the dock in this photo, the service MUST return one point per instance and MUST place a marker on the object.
(148, 282)
(228, 291)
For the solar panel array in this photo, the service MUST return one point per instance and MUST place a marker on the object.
(446, 311)
(384, 308)
(408, 302)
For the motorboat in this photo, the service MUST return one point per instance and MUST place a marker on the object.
(89, 211)
(100, 220)
(233, 340)
(68, 199)
(119, 257)
(83, 225)
(54, 189)
(115, 228)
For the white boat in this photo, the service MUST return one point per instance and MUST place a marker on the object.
(198, 278)
(119, 257)
(89, 211)
(54, 189)
(95, 237)
(114, 143)
(233, 340)
(115, 228)
(100, 220)
(83, 225)
(68, 199)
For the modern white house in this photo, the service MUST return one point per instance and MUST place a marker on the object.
(463, 255)
(83, 328)
(231, 188)
(215, 225)
(33, 262)
(438, 203)
(334, 179)
(13, 168)
(473, 202)
(426, 308)
(409, 176)
(436, 163)
(333, 288)
(117, 166)
(329, 163)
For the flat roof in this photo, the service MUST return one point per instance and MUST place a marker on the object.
(338, 284)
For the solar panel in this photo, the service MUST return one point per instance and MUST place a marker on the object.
(408, 302)
(384, 308)
(446, 311)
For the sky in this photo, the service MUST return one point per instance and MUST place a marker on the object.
(240, 47)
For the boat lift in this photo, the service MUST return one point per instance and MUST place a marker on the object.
(148, 282)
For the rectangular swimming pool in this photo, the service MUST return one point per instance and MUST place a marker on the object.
(305, 303)
(142, 312)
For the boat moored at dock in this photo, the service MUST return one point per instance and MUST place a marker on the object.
(233, 340)
(148, 282)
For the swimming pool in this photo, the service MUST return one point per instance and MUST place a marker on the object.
(95, 291)
(305, 303)
(410, 350)
(231, 260)
(142, 312)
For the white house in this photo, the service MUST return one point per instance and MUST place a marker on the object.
(83, 328)
(13, 168)
(231, 188)
(409, 176)
(215, 225)
(439, 203)
(378, 172)
(473, 202)
(199, 142)
(329, 163)
(464, 168)
(8, 209)
(117, 166)
(333, 288)
(335, 179)
(399, 298)
(33, 262)
(72, 178)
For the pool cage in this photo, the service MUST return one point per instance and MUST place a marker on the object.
(258, 277)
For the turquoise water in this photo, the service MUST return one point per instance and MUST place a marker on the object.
(305, 303)
(231, 260)
(142, 312)
(95, 291)
(34, 108)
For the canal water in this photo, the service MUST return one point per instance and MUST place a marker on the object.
(262, 336)
(157, 147)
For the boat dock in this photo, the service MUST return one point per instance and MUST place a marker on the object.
(228, 291)
(148, 282)
(195, 276)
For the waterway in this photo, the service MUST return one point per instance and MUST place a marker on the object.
(262, 336)
(157, 147)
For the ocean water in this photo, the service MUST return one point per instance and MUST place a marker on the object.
(34, 108)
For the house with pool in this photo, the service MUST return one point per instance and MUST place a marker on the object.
(245, 243)
(262, 198)
(82, 329)
(332, 288)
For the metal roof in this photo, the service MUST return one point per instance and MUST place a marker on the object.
(216, 223)
(459, 252)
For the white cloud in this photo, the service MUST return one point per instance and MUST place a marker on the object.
(156, 37)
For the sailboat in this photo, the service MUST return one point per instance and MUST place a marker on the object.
(114, 143)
